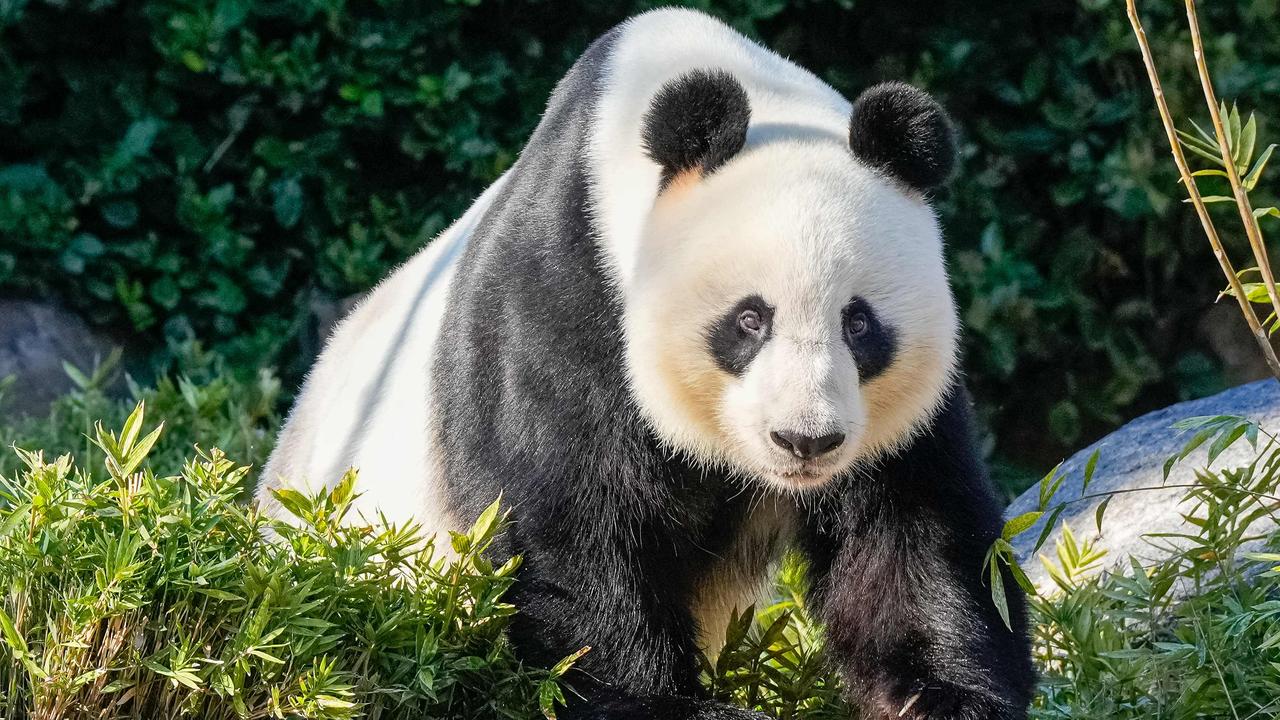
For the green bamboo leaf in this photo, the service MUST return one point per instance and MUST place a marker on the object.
(1089, 468)
(1210, 139)
(1102, 510)
(485, 525)
(1020, 524)
(998, 595)
(132, 426)
(265, 656)
(298, 504)
(1224, 441)
(1232, 126)
(140, 451)
(550, 696)
(18, 646)
(81, 380)
(1250, 181)
(1048, 527)
(1200, 142)
(343, 492)
(562, 667)
(1049, 486)
(1248, 140)
(1208, 152)
(1253, 292)
(1233, 131)
(1021, 578)
(1210, 156)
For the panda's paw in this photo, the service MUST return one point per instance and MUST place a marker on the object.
(942, 701)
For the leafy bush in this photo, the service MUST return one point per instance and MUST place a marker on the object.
(145, 582)
(201, 400)
(132, 594)
(772, 659)
(216, 168)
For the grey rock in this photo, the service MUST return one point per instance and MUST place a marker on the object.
(1134, 457)
(35, 339)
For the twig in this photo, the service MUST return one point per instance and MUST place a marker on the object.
(1259, 334)
(1233, 173)
(1257, 496)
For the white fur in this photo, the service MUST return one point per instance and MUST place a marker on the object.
(659, 46)
(366, 403)
(807, 228)
(794, 218)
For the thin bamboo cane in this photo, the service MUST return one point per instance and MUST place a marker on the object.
(1233, 173)
(1255, 326)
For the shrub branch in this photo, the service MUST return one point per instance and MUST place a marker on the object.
(1166, 118)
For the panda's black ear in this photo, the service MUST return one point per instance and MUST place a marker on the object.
(696, 122)
(902, 131)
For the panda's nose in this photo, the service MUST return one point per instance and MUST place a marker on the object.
(805, 446)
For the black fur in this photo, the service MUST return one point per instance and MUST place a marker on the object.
(873, 351)
(895, 573)
(732, 348)
(696, 122)
(903, 132)
(616, 532)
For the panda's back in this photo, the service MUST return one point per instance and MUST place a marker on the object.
(366, 402)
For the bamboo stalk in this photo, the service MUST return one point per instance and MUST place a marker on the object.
(1255, 326)
(1233, 173)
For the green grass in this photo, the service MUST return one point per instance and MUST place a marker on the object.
(139, 584)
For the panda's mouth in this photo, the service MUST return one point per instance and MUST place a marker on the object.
(806, 474)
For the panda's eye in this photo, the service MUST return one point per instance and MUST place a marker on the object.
(749, 321)
(857, 325)
(735, 337)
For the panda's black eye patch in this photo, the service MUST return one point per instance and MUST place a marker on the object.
(736, 338)
(872, 342)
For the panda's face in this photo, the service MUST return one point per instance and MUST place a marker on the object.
(789, 314)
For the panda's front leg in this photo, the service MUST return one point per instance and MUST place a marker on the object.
(896, 575)
(585, 591)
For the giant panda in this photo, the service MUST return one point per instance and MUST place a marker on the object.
(703, 319)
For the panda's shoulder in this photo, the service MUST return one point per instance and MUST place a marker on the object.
(681, 39)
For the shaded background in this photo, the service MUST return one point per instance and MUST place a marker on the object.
(231, 171)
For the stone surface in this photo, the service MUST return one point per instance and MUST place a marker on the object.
(35, 339)
(1133, 457)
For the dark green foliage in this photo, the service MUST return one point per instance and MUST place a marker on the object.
(200, 401)
(212, 167)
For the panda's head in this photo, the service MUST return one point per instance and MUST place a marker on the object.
(789, 315)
